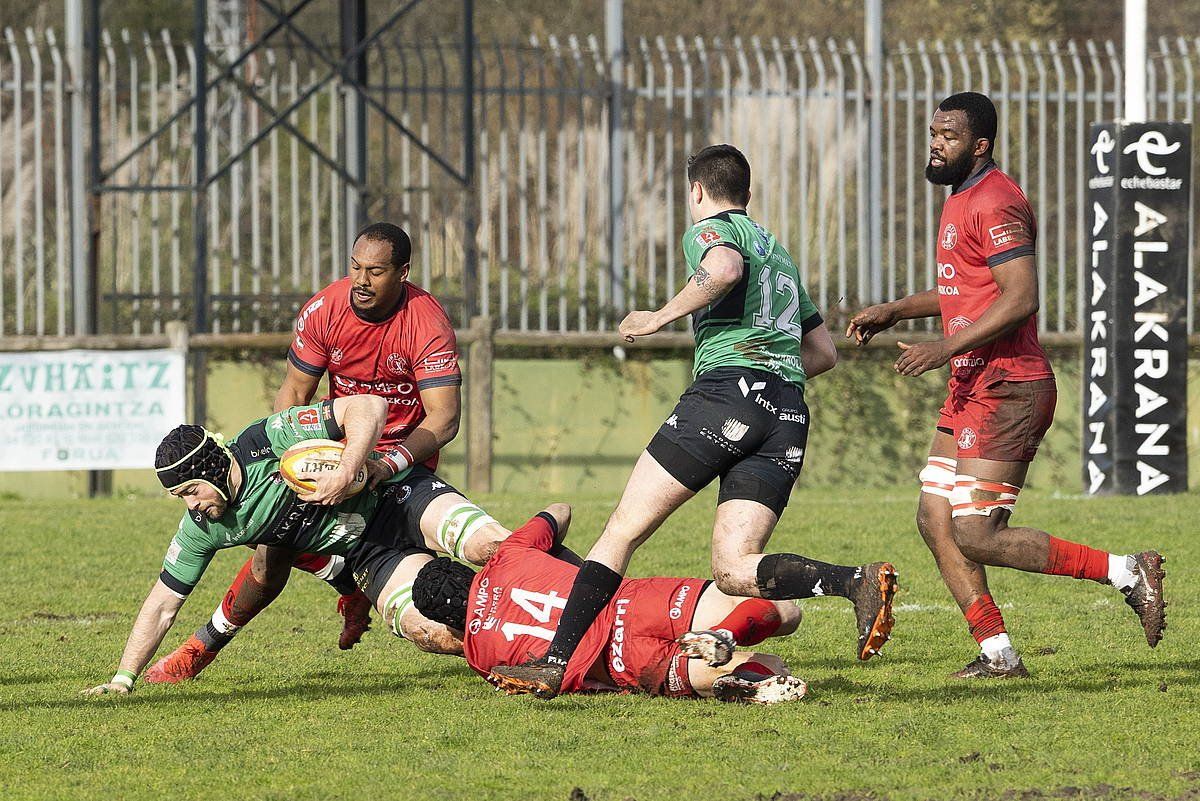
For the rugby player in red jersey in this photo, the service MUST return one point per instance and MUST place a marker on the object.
(639, 642)
(1001, 393)
(375, 333)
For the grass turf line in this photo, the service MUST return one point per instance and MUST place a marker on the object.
(284, 714)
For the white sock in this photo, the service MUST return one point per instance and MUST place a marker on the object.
(993, 647)
(1119, 573)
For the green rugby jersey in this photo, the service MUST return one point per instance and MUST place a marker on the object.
(266, 511)
(760, 322)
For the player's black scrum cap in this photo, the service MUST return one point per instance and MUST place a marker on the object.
(193, 453)
(440, 592)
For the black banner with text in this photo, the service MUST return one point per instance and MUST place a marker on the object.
(1135, 327)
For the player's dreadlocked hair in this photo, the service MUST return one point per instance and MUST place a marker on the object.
(723, 172)
(980, 112)
(440, 592)
(192, 453)
(392, 234)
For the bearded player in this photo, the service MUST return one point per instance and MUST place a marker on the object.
(235, 495)
(743, 421)
(1001, 393)
(640, 641)
(373, 332)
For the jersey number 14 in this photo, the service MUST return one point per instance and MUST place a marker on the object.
(539, 605)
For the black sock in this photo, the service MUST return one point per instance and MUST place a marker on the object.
(787, 575)
(343, 582)
(213, 639)
(594, 587)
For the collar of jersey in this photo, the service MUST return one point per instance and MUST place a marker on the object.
(976, 176)
(386, 317)
(719, 214)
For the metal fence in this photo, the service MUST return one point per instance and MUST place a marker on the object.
(798, 108)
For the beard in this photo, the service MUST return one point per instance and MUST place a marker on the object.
(952, 173)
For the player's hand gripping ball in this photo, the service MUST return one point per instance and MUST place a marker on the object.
(302, 463)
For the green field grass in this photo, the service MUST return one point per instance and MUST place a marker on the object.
(284, 715)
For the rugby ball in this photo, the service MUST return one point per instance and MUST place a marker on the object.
(302, 463)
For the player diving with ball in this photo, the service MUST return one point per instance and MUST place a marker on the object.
(235, 495)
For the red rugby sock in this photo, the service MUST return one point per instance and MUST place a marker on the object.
(247, 596)
(310, 562)
(751, 621)
(984, 619)
(1075, 560)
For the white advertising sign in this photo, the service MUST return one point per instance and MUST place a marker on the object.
(88, 409)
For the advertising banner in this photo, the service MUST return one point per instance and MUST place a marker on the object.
(88, 409)
(1135, 336)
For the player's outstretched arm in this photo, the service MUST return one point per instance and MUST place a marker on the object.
(152, 624)
(362, 418)
(719, 272)
(873, 319)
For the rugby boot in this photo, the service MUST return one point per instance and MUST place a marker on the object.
(1145, 597)
(355, 610)
(184, 663)
(1008, 666)
(733, 689)
(713, 646)
(872, 592)
(537, 678)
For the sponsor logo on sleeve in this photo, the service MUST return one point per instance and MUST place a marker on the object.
(440, 362)
(793, 454)
(707, 237)
(1006, 232)
(309, 419)
(304, 315)
(173, 551)
(673, 421)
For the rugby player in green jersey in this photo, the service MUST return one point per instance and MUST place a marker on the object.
(236, 496)
(743, 420)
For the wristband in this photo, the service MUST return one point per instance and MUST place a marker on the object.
(398, 458)
(125, 678)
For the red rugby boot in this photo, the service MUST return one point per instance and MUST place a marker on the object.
(355, 610)
(184, 663)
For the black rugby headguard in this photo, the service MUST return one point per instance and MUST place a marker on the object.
(193, 453)
(440, 592)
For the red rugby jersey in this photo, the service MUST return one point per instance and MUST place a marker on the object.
(412, 350)
(516, 602)
(987, 222)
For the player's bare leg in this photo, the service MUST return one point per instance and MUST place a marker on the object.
(985, 495)
(650, 496)
(966, 580)
(721, 622)
(395, 605)
(748, 678)
(455, 526)
(740, 534)
(260, 581)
